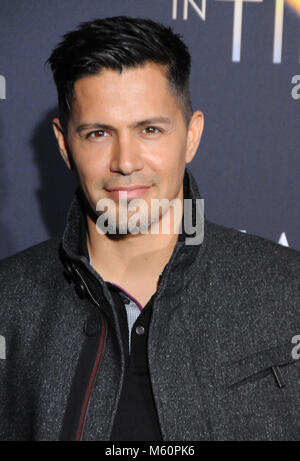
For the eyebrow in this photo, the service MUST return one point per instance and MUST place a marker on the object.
(103, 126)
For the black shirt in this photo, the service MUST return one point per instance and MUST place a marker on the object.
(136, 417)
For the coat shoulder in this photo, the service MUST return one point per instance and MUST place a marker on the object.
(29, 279)
(38, 261)
(251, 253)
(253, 281)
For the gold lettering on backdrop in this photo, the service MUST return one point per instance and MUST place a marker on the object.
(200, 9)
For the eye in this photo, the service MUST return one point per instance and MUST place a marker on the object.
(97, 134)
(151, 130)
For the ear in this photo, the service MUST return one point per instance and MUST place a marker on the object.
(195, 130)
(61, 141)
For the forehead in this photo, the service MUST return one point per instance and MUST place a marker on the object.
(134, 92)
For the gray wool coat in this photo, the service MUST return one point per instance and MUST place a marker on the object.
(219, 344)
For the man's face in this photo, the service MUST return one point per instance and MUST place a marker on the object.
(128, 129)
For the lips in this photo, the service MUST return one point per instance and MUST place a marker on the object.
(131, 191)
(127, 188)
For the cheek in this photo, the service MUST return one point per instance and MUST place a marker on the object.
(89, 162)
(172, 168)
(169, 160)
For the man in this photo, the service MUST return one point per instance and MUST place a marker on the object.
(152, 338)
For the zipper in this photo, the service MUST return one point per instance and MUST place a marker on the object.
(261, 374)
(96, 365)
(94, 373)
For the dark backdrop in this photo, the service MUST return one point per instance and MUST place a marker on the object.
(248, 162)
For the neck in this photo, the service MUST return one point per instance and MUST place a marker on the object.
(133, 257)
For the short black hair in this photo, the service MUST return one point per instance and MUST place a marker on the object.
(119, 43)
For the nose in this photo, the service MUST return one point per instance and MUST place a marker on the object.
(126, 156)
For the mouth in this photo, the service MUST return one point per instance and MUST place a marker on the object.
(128, 192)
